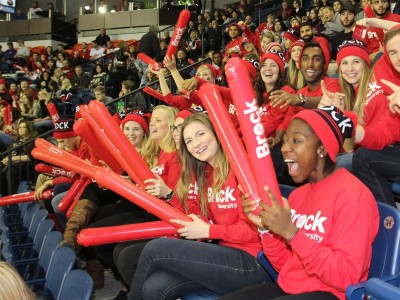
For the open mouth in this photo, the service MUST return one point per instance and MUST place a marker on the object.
(292, 166)
(201, 150)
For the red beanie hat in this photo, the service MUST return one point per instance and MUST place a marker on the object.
(299, 43)
(188, 112)
(251, 66)
(213, 69)
(352, 47)
(277, 57)
(64, 129)
(136, 116)
(272, 44)
(330, 125)
(291, 34)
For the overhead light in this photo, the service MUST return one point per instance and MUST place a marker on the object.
(113, 10)
(87, 7)
(102, 10)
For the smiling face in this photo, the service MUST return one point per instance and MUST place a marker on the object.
(295, 53)
(269, 73)
(352, 67)
(23, 130)
(301, 149)
(159, 126)
(205, 73)
(201, 142)
(393, 51)
(312, 65)
(134, 132)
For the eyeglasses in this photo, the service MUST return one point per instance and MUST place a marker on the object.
(177, 128)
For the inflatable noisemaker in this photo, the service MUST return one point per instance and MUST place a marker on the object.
(179, 31)
(8, 115)
(77, 197)
(114, 182)
(94, 141)
(229, 138)
(53, 112)
(249, 118)
(133, 163)
(151, 62)
(148, 90)
(25, 197)
(52, 170)
(74, 192)
(123, 233)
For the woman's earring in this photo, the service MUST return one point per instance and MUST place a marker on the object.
(321, 155)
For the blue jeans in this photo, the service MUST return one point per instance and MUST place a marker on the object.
(5, 140)
(345, 160)
(171, 268)
(376, 168)
(144, 66)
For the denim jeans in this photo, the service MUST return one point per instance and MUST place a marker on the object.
(143, 66)
(171, 268)
(345, 160)
(61, 217)
(376, 168)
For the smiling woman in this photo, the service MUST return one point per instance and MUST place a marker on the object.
(320, 226)
(184, 266)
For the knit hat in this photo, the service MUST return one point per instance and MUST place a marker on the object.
(252, 66)
(352, 47)
(137, 116)
(291, 34)
(64, 129)
(272, 44)
(246, 40)
(299, 43)
(331, 126)
(237, 26)
(349, 7)
(278, 57)
(187, 112)
(2, 81)
(212, 68)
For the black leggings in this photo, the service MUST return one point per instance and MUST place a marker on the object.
(271, 291)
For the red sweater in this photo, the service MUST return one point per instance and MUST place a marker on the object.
(237, 45)
(229, 224)
(338, 220)
(272, 117)
(168, 168)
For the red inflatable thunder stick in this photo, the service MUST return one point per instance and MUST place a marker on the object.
(255, 140)
(180, 27)
(8, 115)
(53, 112)
(93, 138)
(114, 182)
(52, 170)
(78, 195)
(123, 233)
(25, 197)
(229, 138)
(126, 153)
(75, 191)
(151, 62)
(148, 90)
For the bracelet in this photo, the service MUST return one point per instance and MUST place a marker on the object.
(262, 231)
(293, 235)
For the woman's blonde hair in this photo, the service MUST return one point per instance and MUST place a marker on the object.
(196, 169)
(152, 149)
(294, 77)
(356, 101)
(27, 109)
(12, 287)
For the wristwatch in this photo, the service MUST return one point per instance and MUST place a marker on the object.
(169, 196)
(303, 100)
